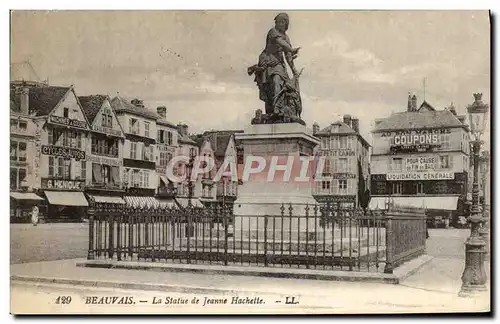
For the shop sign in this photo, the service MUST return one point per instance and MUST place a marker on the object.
(409, 176)
(343, 176)
(339, 152)
(64, 152)
(106, 130)
(68, 122)
(378, 177)
(63, 184)
(424, 163)
(417, 132)
(105, 161)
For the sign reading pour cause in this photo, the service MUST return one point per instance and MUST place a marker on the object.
(420, 176)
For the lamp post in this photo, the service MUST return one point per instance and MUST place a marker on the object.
(474, 275)
(190, 181)
(484, 230)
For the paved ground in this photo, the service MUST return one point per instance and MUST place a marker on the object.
(433, 288)
(46, 242)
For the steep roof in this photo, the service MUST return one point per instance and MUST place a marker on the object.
(427, 106)
(163, 121)
(336, 128)
(186, 139)
(422, 119)
(91, 105)
(221, 140)
(120, 104)
(42, 100)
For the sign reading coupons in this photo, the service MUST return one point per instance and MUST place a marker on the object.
(412, 176)
(416, 139)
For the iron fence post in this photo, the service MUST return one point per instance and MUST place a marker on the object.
(130, 231)
(90, 213)
(225, 215)
(110, 234)
(265, 240)
(389, 252)
(119, 236)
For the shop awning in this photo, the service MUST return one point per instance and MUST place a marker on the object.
(436, 203)
(141, 202)
(66, 198)
(108, 200)
(167, 204)
(183, 202)
(25, 196)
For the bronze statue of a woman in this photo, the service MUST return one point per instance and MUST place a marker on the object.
(280, 93)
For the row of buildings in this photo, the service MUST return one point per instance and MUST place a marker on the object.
(68, 149)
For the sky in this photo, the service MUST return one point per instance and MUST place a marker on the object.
(361, 63)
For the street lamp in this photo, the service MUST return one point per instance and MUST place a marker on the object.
(474, 275)
(484, 230)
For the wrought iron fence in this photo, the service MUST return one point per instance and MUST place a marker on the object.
(301, 236)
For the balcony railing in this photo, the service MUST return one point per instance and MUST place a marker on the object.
(231, 190)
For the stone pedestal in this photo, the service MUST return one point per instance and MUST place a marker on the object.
(262, 202)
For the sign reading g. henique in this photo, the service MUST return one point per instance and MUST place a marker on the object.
(64, 152)
(68, 122)
(409, 176)
(62, 184)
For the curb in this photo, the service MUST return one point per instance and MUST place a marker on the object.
(401, 273)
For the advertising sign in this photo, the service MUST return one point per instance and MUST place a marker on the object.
(106, 130)
(409, 176)
(68, 122)
(343, 176)
(65, 152)
(104, 160)
(424, 163)
(63, 184)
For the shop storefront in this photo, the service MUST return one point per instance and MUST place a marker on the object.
(65, 200)
(22, 204)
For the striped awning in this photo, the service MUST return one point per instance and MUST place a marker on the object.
(25, 196)
(141, 202)
(108, 200)
(167, 204)
(183, 202)
(435, 203)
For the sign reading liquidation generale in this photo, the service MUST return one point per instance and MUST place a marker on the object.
(409, 176)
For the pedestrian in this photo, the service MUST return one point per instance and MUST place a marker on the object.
(34, 216)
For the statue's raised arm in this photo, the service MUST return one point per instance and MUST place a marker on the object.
(280, 93)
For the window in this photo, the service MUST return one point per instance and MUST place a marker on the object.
(343, 166)
(65, 139)
(444, 162)
(146, 179)
(106, 174)
(133, 126)
(66, 112)
(163, 158)
(83, 170)
(79, 140)
(397, 164)
(23, 126)
(445, 141)
(133, 150)
(13, 178)
(192, 152)
(420, 187)
(169, 138)
(51, 166)
(67, 169)
(343, 186)
(13, 150)
(60, 167)
(146, 129)
(326, 169)
(159, 136)
(324, 142)
(397, 188)
(325, 185)
(343, 142)
(141, 179)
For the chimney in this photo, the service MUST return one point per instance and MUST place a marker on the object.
(182, 129)
(355, 125)
(315, 128)
(452, 109)
(162, 111)
(138, 103)
(347, 120)
(414, 103)
(25, 104)
(409, 102)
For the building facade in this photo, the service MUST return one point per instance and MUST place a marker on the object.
(24, 156)
(167, 145)
(347, 166)
(64, 149)
(104, 163)
(138, 123)
(420, 158)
